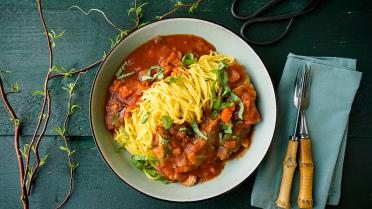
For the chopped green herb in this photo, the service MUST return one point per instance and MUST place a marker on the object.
(222, 65)
(215, 114)
(137, 163)
(186, 130)
(164, 141)
(167, 122)
(175, 79)
(115, 118)
(145, 117)
(159, 75)
(188, 59)
(196, 129)
(227, 128)
(217, 104)
(146, 77)
(226, 104)
(120, 73)
(235, 98)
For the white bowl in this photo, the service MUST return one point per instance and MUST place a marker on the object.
(236, 170)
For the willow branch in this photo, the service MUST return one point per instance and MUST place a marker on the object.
(177, 7)
(45, 100)
(15, 120)
(82, 70)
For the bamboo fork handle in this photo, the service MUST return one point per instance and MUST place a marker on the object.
(289, 167)
(305, 196)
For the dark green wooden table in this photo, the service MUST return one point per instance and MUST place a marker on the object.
(337, 28)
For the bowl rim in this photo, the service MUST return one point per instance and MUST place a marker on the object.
(137, 31)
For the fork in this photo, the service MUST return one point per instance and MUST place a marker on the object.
(305, 199)
(289, 163)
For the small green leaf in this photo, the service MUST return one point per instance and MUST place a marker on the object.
(145, 117)
(37, 92)
(43, 160)
(54, 69)
(73, 108)
(139, 10)
(15, 88)
(167, 122)
(74, 165)
(188, 59)
(104, 55)
(193, 7)
(196, 129)
(179, 4)
(44, 116)
(66, 149)
(16, 122)
(59, 130)
(131, 10)
(158, 17)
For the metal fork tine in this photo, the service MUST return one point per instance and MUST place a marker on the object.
(307, 81)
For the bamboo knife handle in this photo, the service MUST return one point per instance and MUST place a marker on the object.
(305, 196)
(289, 167)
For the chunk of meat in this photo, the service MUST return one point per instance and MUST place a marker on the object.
(233, 75)
(124, 92)
(191, 180)
(172, 61)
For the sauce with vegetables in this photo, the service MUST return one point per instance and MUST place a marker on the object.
(186, 153)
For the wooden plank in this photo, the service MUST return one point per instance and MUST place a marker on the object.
(96, 186)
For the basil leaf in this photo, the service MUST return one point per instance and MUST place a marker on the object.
(159, 75)
(227, 128)
(217, 104)
(188, 59)
(175, 79)
(120, 72)
(186, 130)
(125, 75)
(115, 118)
(196, 129)
(226, 104)
(215, 114)
(167, 122)
(155, 67)
(236, 99)
(145, 117)
(163, 180)
(137, 163)
(221, 65)
(147, 77)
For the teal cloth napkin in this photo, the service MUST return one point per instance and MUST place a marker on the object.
(334, 84)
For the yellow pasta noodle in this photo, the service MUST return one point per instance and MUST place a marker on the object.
(184, 101)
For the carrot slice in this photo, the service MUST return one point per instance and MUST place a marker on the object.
(226, 114)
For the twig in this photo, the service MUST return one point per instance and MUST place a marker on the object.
(67, 118)
(177, 7)
(76, 71)
(99, 11)
(16, 123)
(45, 101)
